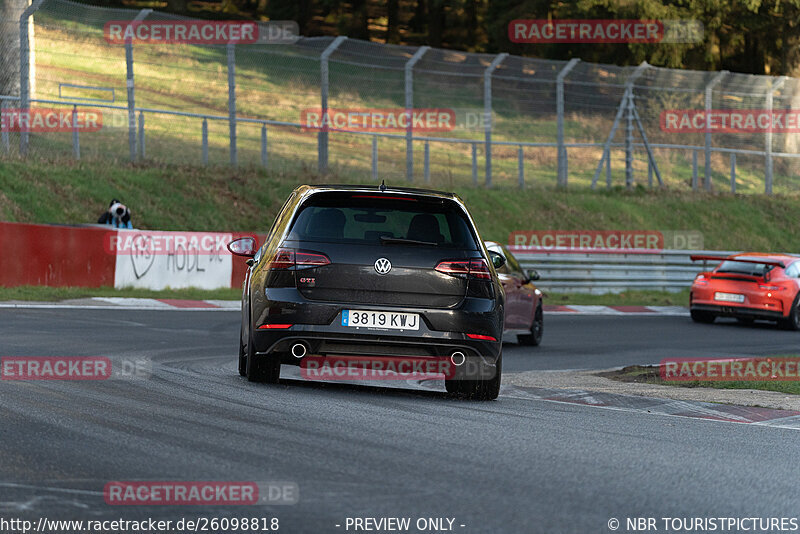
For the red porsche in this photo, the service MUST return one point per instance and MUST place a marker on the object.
(748, 287)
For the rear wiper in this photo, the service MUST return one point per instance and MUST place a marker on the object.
(386, 240)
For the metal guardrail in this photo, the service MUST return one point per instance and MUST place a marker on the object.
(569, 271)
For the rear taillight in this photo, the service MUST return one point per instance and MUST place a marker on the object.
(472, 268)
(771, 288)
(286, 258)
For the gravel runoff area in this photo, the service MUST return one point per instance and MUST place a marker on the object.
(589, 381)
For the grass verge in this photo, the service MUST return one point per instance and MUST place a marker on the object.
(53, 294)
(176, 197)
(649, 374)
(627, 298)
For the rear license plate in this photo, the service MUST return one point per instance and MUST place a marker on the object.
(380, 319)
(729, 297)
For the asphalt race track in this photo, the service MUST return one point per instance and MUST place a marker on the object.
(514, 465)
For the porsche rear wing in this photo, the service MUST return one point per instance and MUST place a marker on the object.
(735, 258)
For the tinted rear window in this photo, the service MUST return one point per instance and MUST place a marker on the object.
(741, 267)
(359, 219)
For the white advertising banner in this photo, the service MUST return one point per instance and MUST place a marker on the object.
(160, 260)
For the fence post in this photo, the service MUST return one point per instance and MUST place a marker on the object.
(24, 69)
(129, 83)
(487, 112)
(562, 153)
(322, 136)
(232, 102)
(649, 174)
(427, 162)
(142, 148)
(629, 143)
(4, 133)
(768, 136)
(520, 168)
(709, 88)
(264, 156)
(76, 143)
(375, 158)
(475, 164)
(608, 171)
(733, 172)
(205, 141)
(409, 94)
(694, 170)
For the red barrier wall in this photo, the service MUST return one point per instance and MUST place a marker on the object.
(46, 255)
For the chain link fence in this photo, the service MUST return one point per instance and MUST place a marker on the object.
(516, 121)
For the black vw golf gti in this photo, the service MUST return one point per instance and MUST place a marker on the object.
(373, 272)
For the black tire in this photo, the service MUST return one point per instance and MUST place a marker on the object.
(702, 317)
(242, 356)
(478, 389)
(537, 330)
(792, 322)
(265, 368)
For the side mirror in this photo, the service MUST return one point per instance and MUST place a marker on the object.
(497, 259)
(244, 246)
(533, 275)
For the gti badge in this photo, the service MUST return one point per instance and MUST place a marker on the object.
(383, 266)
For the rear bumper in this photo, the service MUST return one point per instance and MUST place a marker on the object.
(319, 326)
(738, 311)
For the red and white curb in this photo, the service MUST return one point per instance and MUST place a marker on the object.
(675, 311)
(124, 303)
(726, 413)
(127, 303)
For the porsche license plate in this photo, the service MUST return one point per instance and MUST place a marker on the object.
(380, 319)
(729, 297)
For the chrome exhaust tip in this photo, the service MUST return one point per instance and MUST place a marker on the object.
(299, 350)
(458, 358)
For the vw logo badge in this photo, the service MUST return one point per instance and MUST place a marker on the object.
(383, 266)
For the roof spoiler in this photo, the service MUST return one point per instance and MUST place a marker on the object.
(734, 258)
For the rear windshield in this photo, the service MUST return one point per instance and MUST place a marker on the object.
(362, 219)
(741, 267)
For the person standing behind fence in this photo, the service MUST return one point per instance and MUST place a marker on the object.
(117, 215)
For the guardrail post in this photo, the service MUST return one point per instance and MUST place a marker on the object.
(768, 136)
(142, 147)
(409, 94)
(322, 136)
(733, 172)
(562, 152)
(520, 168)
(375, 158)
(709, 88)
(24, 69)
(76, 143)
(264, 160)
(205, 141)
(4, 132)
(694, 170)
(129, 83)
(475, 164)
(487, 112)
(427, 162)
(232, 103)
